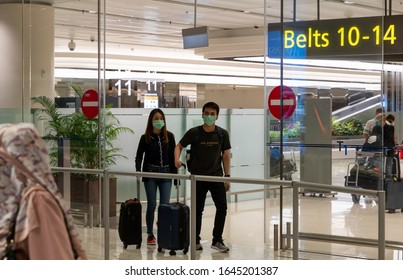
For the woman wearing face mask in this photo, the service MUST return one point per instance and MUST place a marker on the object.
(157, 146)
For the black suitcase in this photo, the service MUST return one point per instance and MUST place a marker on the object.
(396, 166)
(173, 227)
(394, 195)
(368, 178)
(394, 188)
(130, 223)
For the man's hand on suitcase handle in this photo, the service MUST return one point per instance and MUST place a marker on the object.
(177, 182)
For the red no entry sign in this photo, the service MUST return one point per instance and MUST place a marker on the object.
(289, 102)
(89, 103)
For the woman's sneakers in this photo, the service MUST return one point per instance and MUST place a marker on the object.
(151, 240)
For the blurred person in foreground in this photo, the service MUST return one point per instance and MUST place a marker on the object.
(32, 209)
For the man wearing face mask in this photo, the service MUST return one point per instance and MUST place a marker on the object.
(370, 124)
(210, 155)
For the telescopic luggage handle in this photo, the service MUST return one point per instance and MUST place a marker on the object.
(178, 184)
(138, 187)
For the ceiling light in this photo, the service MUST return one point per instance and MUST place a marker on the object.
(348, 2)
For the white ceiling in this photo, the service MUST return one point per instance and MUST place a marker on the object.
(146, 35)
(132, 25)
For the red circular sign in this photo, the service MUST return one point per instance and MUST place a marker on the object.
(89, 103)
(289, 102)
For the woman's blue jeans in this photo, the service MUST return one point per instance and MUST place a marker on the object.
(151, 185)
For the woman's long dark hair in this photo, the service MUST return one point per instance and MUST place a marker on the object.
(149, 128)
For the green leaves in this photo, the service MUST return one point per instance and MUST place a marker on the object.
(351, 126)
(87, 141)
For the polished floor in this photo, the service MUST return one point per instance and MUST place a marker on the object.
(244, 231)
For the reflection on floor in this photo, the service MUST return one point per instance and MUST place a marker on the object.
(244, 232)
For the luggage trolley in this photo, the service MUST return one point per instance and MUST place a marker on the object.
(289, 167)
(365, 172)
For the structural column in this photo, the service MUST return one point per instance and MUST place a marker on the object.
(26, 56)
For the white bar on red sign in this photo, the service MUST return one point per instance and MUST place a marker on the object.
(90, 104)
(286, 102)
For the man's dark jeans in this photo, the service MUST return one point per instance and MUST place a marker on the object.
(218, 194)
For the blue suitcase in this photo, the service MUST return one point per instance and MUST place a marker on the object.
(173, 227)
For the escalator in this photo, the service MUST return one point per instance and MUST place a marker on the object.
(345, 103)
(356, 108)
(359, 104)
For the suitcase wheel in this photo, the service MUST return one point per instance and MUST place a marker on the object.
(124, 245)
(185, 250)
(159, 249)
(138, 246)
(172, 253)
(391, 211)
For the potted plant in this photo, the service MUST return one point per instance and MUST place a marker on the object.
(291, 132)
(87, 142)
(349, 127)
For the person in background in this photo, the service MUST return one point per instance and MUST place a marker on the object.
(369, 125)
(30, 202)
(155, 153)
(387, 131)
(210, 155)
(390, 120)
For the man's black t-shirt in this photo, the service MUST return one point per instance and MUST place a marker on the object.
(206, 149)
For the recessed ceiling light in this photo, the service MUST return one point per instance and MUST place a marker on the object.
(348, 2)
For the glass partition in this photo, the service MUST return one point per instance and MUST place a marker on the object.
(315, 124)
(296, 91)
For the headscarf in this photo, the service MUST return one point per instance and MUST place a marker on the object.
(22, 142)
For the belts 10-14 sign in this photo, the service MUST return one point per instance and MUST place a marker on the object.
(340, 38)
(289, 102)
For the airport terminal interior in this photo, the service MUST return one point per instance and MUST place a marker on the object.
(296, 82)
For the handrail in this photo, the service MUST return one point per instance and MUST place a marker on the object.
(79, 170)
(323, 187)
(269, 183)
